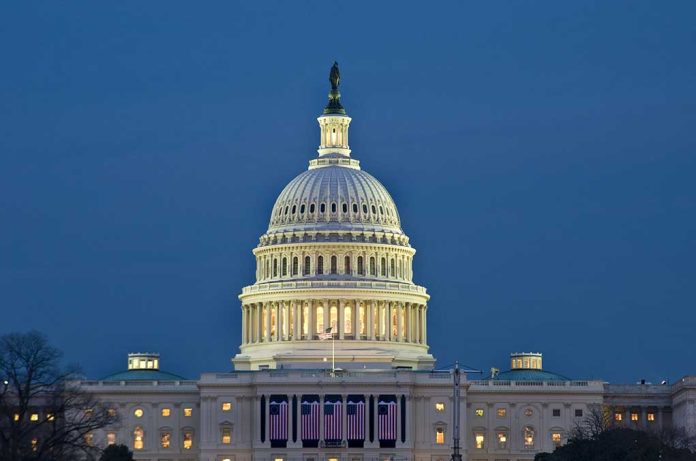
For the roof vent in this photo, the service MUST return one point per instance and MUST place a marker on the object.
(143, 361)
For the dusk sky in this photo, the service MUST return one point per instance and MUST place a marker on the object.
(542, 156)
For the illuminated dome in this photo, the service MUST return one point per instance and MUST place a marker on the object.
(334, 263)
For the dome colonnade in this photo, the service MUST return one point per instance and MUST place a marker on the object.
(334, 259)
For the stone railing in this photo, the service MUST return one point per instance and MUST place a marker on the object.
(333, 284)
(527, 384)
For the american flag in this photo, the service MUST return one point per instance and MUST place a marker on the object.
(278, 421)
(326, 334)
(386, 414)
(356, 419)
(310, 419)
(333, 419)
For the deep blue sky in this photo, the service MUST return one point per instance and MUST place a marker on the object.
(542, 156)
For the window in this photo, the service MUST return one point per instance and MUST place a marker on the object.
(311, 209)
(110, 438)
(138, 436)
(528, 412)
(165, 439)
(651, 416)
(15, 417)
(226, 406)
(355, 208)
(634, 416)
(384, 267)
(285, 267)
(528, 437)
(295, 265)
(556, 412)
(294, 209)
(278, 459)
(302, 209)
(361, 268)
(226, 435)
(556, 439)
(34, 417)
(34, 444)
(345, 208)
(374, 210)
(373, 266)
(440, 406)
(51, 417)
(275, 268)
(381, 210)
(346, 265)
(501, 412)
(478, 412)
(320, 265)
(286, 210)
(364, 208)
(578, 413)
(333, 208)
(479, 440)
(188, 440)
(392, 268)
(439, 436)
(138, 413)
(618, 416)
(188, 411)
(89, 439)
(111, 412)
(307, 262)
(322, 208)
(502, 439)
(334, 265)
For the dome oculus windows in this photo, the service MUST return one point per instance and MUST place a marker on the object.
(311, 209)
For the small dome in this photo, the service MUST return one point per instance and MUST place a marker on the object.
(334, 198)
(528, 375)
(143, 366)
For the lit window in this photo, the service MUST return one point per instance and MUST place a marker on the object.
(278, 459)
(226, 406)
(165, 439)
(166, 412)
(439, 436)
(480, 440)
(634, 416)
(528, 437)
(34, 444)
(138, 413)
(479, 412)
(34, 417)
(501, 412)
(618, 416)
(188, 440)
(111, 412)
(138, 436)
(15, 417)
(188, 411)
(89, 412)
(556, 439)
(502, 440)
(651, 416)
(226, 435)
(89, 439)
(556, 412)
(528, 412)
(50, 417)
(111, 438)
(440, 406)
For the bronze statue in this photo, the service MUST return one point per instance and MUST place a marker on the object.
(334, 76)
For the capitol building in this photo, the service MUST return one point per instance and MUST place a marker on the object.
(334, 363)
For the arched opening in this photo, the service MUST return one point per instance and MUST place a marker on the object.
(275, 268)
(307, 265)
(373, 266)
(361, 268)
(346, 265)
(384, 267)
(295, 264)
(320, 265)
(334, 265)
(285, 267)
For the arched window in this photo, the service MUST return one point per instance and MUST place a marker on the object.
(285, 267)
(392, 268)
(138, 438)
(361, 267)
(346, 265)
(286, 209)
(384, 267)
(333, 208)
(320, 265)
(345, 208)
(165, 439)
(381, 210)
(322, 208)
(307, 264)
(302, 208)
(373, 266)
(294, 209)
(275, 268)
(311, 209)
(267, 273)
(355, 208)
(364, 208)
(334, 265)
(374, 210)
(295, 264)
(528, 437)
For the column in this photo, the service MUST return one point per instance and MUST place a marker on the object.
(310, 329)
(327, 317)
(370, 313)
(425, 324)
(399, 322)
(297, 329)
(388, 314)
(286, 320)
(244, 324)
(254, 323)
(341, 319)
(356, 319)
(267, 313)
(409, 323)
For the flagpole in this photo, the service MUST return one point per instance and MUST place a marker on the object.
(333, 355)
